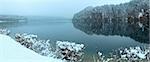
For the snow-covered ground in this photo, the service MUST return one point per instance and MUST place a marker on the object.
(12, 51)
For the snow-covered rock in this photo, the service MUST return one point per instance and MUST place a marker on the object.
(69, 51)
(64, 49)
(32, 42)
(140, 15)
(99, 53)
(102, 58)
(4, 31)
(11, 51)
(134, 53)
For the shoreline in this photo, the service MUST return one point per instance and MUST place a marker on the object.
(87, 57)
(13, 51)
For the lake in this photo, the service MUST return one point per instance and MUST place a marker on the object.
(63, 29)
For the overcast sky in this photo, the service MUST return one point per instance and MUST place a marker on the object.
(61, 8)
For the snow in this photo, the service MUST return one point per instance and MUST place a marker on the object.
(69, 50)
(142, 56)
(65, 50)
(128, 54)
(70, 46)
(134, 53)
(11, 51)
(31, 41)
(99, 53)
(140, 15)
(140, 24)
(4, 31)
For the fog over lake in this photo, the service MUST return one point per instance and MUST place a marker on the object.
(57, 8)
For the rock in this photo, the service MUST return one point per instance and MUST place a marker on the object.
(31, 41)
(135, 53)
(4, 31)
(69, 51)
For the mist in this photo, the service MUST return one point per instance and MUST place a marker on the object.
(58, 8)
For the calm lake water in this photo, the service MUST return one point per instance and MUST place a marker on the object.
(63, 29)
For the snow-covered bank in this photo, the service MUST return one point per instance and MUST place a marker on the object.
(66, 50)
(11, 51)
(29, 48)
(136, 54)
(31, 41)
(4, 31)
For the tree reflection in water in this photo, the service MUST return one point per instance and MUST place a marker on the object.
(116, 26)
